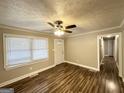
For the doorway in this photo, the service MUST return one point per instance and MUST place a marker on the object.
(58, 51)
(110, 45)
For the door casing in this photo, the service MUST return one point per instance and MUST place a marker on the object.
(120, 50)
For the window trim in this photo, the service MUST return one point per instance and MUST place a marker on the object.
(8, 67)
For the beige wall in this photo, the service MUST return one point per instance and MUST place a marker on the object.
(7, 75)
(83, 49)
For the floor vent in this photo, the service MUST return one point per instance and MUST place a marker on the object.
(34, 75)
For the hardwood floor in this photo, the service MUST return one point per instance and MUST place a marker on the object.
(67, 78)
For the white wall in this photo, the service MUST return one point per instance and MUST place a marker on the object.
(116, 49)
(108, 47)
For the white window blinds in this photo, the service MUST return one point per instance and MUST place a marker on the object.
(23, 50)
(17, 50)
(40, 49)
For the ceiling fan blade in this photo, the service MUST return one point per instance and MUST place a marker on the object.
(70, 26)
(51, 24)
(67, 31)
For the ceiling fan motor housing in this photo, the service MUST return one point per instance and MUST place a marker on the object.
(58, 22)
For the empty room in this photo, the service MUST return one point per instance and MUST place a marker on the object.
(61, 46)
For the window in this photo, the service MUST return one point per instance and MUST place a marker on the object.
(21, 50)
(40, 50)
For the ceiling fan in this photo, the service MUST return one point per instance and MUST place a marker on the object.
(60, 29)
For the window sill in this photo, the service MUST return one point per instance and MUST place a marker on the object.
(7, 67)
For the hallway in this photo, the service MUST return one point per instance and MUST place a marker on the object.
(110, 77)
(109, 66)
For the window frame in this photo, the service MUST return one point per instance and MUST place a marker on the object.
(9, 67)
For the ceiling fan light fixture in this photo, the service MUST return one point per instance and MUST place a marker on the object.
(59, 33)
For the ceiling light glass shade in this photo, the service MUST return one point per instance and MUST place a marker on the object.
(59, 33)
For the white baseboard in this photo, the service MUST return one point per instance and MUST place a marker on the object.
(123, 79)
(24, 76)
(84, 66)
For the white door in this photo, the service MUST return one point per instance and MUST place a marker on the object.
(58, 51)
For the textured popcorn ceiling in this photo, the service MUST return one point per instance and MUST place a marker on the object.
(88, 15)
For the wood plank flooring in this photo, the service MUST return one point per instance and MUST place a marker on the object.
(67, 78)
